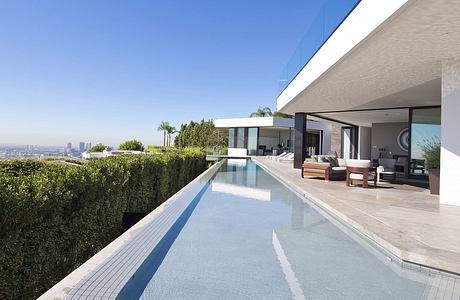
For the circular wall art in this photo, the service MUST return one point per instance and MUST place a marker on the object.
(403, 139)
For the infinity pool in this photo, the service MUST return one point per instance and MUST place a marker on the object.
(250, 237)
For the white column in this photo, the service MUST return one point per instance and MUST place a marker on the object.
(450, 133)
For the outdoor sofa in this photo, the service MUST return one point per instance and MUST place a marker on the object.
(325, 166)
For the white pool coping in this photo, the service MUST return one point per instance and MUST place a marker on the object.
(106, 273)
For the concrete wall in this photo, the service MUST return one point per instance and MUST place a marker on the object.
(384, 135)
(364, 142)
(237, 152)
(336, 139)
(450, 141)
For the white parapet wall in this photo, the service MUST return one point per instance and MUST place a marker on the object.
(450, 134)
(237, 152)
(254, 122)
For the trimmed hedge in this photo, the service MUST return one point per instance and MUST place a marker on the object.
(53, 217)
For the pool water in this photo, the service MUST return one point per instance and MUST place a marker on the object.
(250, 237)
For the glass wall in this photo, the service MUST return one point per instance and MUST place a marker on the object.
(240, 137)
(425, 138)
(231, 138)
(253, 135)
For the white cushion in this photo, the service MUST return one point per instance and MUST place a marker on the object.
(339, 168)
(358, 176)
(342, 162)
(387, 172)
(358, 163)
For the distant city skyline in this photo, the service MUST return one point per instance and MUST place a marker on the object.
(110, 71)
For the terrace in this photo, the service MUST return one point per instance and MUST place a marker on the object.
(405, 220)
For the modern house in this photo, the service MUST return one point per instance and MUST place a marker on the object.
(270, 135)
(389, 73)
(371, 80)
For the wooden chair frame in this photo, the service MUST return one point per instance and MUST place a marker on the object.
(325, 168)
(365, 172)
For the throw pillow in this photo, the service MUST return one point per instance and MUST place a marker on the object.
(332, 160)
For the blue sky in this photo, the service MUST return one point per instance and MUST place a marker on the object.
(107, 71)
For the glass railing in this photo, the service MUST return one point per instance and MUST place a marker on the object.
(330, 16)
(216, 150)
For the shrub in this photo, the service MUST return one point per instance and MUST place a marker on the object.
(160, 149)
(20, 166)
(132, 145)
(97, 148)
(53, 217)
(431, 150)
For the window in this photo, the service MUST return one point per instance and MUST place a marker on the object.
(240, 135)
(252, 140)
(425, 134)
(231, 138)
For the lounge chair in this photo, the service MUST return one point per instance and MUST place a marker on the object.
(287, 158)
(277, 156)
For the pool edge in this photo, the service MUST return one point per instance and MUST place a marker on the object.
(62, 289)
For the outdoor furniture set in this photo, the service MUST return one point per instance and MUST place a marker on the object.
(330, 167)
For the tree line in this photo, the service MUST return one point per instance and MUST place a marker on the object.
(201, 134)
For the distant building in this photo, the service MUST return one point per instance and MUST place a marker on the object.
(81, 147)
(88, 146)
(68, 148)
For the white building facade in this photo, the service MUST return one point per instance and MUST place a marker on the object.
(389, 73)
(271, 135)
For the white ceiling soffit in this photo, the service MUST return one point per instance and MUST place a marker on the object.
(366, 118)
(397, 65)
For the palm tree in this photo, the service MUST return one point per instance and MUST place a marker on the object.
(170, 130)
(164, 127)
(262, 112)
(281, 115)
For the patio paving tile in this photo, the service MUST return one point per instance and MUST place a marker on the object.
(405, 220)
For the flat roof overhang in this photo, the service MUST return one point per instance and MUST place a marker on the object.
(254, 122)
(396, 64)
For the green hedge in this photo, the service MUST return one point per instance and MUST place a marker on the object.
(53, 217)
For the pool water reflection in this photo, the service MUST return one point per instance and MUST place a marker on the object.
(251, 237)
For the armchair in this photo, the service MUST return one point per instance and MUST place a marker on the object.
(360, 170)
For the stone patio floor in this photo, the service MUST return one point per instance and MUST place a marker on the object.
(405, 220)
